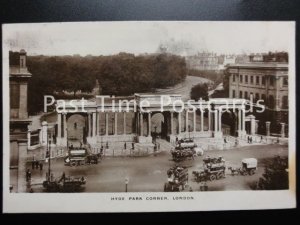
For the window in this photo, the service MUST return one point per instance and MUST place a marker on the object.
(271, 81)
(233, 77)
(251, 95)
(256, 97)
(246, 95)
(246, 78)
(263, 80)
(14, 96)
(241, 94)
(285, 102)
(251, 79)
(241, 78)
(263, 97)
(285, 81)
(233, 93)
(271, 102)
(257, 80)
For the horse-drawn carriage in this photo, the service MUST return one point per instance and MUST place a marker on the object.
(180, 154)
(81, 156)
(64, 184)
(177, 177)
(249, 165)
(213, 168)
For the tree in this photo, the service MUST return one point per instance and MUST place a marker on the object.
(199, 91)
(275, 176)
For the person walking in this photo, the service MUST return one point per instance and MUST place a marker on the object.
(125, 145)
(41, 166)
(37, 165)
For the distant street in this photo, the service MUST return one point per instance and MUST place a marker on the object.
(183, 88)
(148, 174)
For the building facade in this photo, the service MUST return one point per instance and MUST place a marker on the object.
(19, 121)
(265, 81)
(203, 61)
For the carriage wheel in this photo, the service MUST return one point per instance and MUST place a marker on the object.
(220, 175)
(73, 163)
(251, 172)
(212, 177)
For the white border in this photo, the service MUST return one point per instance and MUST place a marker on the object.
(101, 202)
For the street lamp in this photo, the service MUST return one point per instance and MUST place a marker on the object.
(126, 183)
(48, 156)
(155, 135)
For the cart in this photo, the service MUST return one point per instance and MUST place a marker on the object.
(177, 177)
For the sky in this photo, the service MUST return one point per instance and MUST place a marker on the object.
(185, 38)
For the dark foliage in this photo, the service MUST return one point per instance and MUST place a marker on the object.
(199, 91)
(122, 74)
(275, 176)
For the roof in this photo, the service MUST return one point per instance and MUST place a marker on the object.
(262, 65)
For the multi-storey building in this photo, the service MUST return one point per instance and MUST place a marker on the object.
(265, 81)
(203, 61)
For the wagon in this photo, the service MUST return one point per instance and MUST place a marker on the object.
(249, 165)
(213, 169)
(177, 177)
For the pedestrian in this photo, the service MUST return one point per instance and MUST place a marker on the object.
(261, 138)
(41, 166)
(33, 164)
(251, 140)
(31, 190)
(51, 177)
(248, 139)
(37, 164)
(125, 145)
(176, 139)
(132, 144)
(27, 175)
(63, 177)
(225, 141)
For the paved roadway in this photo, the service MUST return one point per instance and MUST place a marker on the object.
(183, 88)
(148, 174)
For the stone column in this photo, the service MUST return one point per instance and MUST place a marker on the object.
(186, 120)
(179, 123)
(282, 130)
(116, 124)
(252, 125)
(98, 124)
(124, 123)
(216, 120)
(89, 125)
(28, 139)
(202, 121)
(171, 124)
(243, 120)
(209, 120)
(194, 121)
(268, 123)
(59, 125)
(149, 124)
(220, 119)
(106, 124)
(65, 125)
(94, 124)
(44, 133)
(141, 124)
(240, 120)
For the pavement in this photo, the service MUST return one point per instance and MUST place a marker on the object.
(148, 174)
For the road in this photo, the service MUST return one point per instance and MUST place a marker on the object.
(183, 88)
(148, 174)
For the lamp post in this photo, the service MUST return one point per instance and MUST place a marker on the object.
(155, 135)
(48, 156)
(189, 127)
(126, 183)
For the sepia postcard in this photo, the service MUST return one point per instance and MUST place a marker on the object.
(148, 116)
